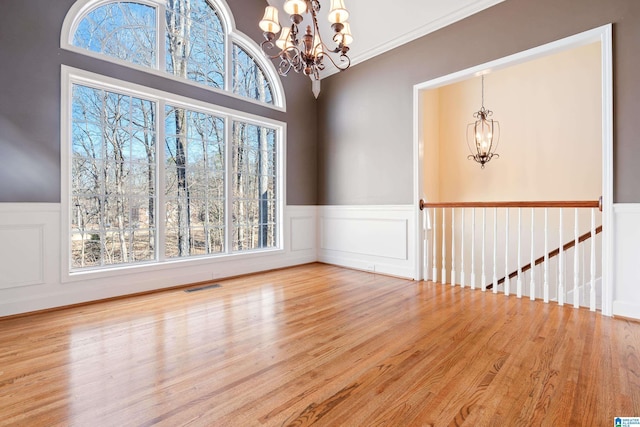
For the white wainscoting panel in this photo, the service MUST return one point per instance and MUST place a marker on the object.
(28, 242)
(371, 238)
(626, 293)
(32, 276)
(25, 251)
(303, 233)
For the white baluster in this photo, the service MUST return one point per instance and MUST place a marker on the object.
(453, 247)
(561, 266)
(434, 267)
(473, 248)
(532, 285)
(506, 254)
(495, 250)
(592, 291)
(576, 262)
(444, 246)
(462, 250)
(546, 255)
(519, 280)
(484, 277)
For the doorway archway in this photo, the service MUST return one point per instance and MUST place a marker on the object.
(601, 35)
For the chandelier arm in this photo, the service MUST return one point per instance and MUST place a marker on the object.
(294, 34)
(268, 45)
(315, 5)
(285, 64)
(344, 58)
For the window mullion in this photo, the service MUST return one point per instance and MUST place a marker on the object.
(103, 179)
(228, 62)
(228, 197)
(161, 205)
(161, 37)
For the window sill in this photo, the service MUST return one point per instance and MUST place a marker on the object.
(151, 266)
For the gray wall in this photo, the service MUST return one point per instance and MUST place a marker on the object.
(30, 59)
(365, 114)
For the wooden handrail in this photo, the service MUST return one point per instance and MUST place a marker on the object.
(522, 204)
(553, 253)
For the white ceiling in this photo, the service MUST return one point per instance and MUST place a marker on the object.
(377, 28)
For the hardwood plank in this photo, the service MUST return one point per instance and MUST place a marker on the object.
(318, 345)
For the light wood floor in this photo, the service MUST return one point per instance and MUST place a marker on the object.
(319, 345)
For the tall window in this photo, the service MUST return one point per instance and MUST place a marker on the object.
(196, 43)
(156, 176)
(194, 182)
(254, 186)
(113, 170)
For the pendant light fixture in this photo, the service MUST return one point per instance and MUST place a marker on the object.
(483, 135)
(305, 52)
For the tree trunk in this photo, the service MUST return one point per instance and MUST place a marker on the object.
(179, 28)
(184, 214)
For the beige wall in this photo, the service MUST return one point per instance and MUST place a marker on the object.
(430, 107)
(550, 148)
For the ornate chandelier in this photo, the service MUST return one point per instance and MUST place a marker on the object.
(305, 54)
(483, 135)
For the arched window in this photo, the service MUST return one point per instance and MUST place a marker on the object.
(154, 176)
(248, 78)
(185, 39)
(125, 31)
(195, 41)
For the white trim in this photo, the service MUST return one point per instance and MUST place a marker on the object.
(418, 179)
(626, 309)
(81, 7)
(51, 292)
(467, 10)
(374, 238)
(72, 76)
(608, 223)
(601, 34)
(626, 300)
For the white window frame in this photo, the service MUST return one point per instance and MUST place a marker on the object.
(82, 7)
(71, 76)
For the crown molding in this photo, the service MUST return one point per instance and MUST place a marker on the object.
(423, 30)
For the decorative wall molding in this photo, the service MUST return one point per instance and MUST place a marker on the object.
(370, 238)
(27, 236)
(26, 250)
(31, 267)
(626, 298)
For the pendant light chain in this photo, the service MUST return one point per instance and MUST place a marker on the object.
(483, 91)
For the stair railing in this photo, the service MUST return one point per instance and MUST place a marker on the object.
(458, 238)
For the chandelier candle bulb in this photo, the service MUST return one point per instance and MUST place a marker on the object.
(284, 42)
(344, 36)
(269, 23)
(338, 13)
(295, 7)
